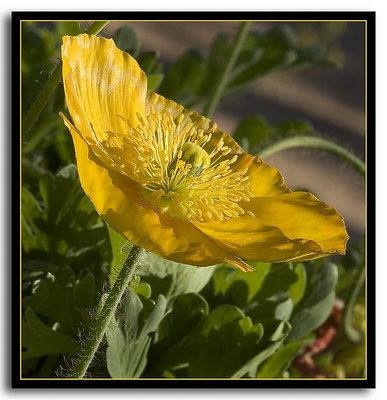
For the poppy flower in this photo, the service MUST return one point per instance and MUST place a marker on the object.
(171, 182)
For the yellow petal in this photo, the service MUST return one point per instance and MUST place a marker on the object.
(102, 85)
(302, 215)
(117, 200)
(265, 180)
(105, 91)
(289, 227)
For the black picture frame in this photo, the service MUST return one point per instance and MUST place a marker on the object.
(15, 143)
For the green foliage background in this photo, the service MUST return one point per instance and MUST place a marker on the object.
(175, 320)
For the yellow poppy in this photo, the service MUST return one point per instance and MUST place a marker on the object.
(171, 182)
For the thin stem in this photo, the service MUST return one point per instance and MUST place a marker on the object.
(51, 84)
(108, 310)
(225, 76)
(353, 334)
(316, 143)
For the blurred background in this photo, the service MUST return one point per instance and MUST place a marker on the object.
(331, 99)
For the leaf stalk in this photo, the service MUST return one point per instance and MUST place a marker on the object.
(226, 74)
(316, 143)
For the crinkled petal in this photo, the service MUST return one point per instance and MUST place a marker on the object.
(103, 86)
(117, 200)
(302, 215)
(288, 227)
(265, 180)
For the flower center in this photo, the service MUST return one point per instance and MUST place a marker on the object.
(181, 170)
(195, 156)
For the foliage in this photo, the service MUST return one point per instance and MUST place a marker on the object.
(254, 133)
(190, 80)
(175, 320)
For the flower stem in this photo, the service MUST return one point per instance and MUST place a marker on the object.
(316, 143)
(108, 310)
(224, 77)
(51, 84)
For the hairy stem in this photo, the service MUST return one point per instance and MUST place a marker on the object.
(225, 76)
(108, 310)
(51, 84)
(316, 143)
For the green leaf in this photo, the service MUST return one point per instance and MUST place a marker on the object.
(254, 133)
(275, 365)
(321, 282)
(269, 309)
(292, 128)
(157, 314)
(39, 339)
(310, 318)
(65, 225)
(217, 58)
(32, 270)
(237, 286)
(318, 300)
(225, 341)
(251, 131)
(127, 40)
(278, 279)
(257, 360)
(164, 276)
(172, 279)
(220, 316)
(140, 288)
(64, 300)
(274, 51)
(129, 337)
(297, 289)
(183, 77)
(154, 81)
(187, 310)
(147, 61)
(34, 49)
(276, 330)
(71, 28)
(120, 249)
(312, 54)
(281, 37)
(32, 218)
(39, 46)
(274, 333)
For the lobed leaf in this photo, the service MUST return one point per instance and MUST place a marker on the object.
(63, 299)
(275, 365)
(64, 225)
(130, 335)
(172, 279)
(38, 339)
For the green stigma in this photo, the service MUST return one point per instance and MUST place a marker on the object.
(196, 156)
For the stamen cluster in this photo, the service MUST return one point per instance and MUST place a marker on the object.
(181, 170)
